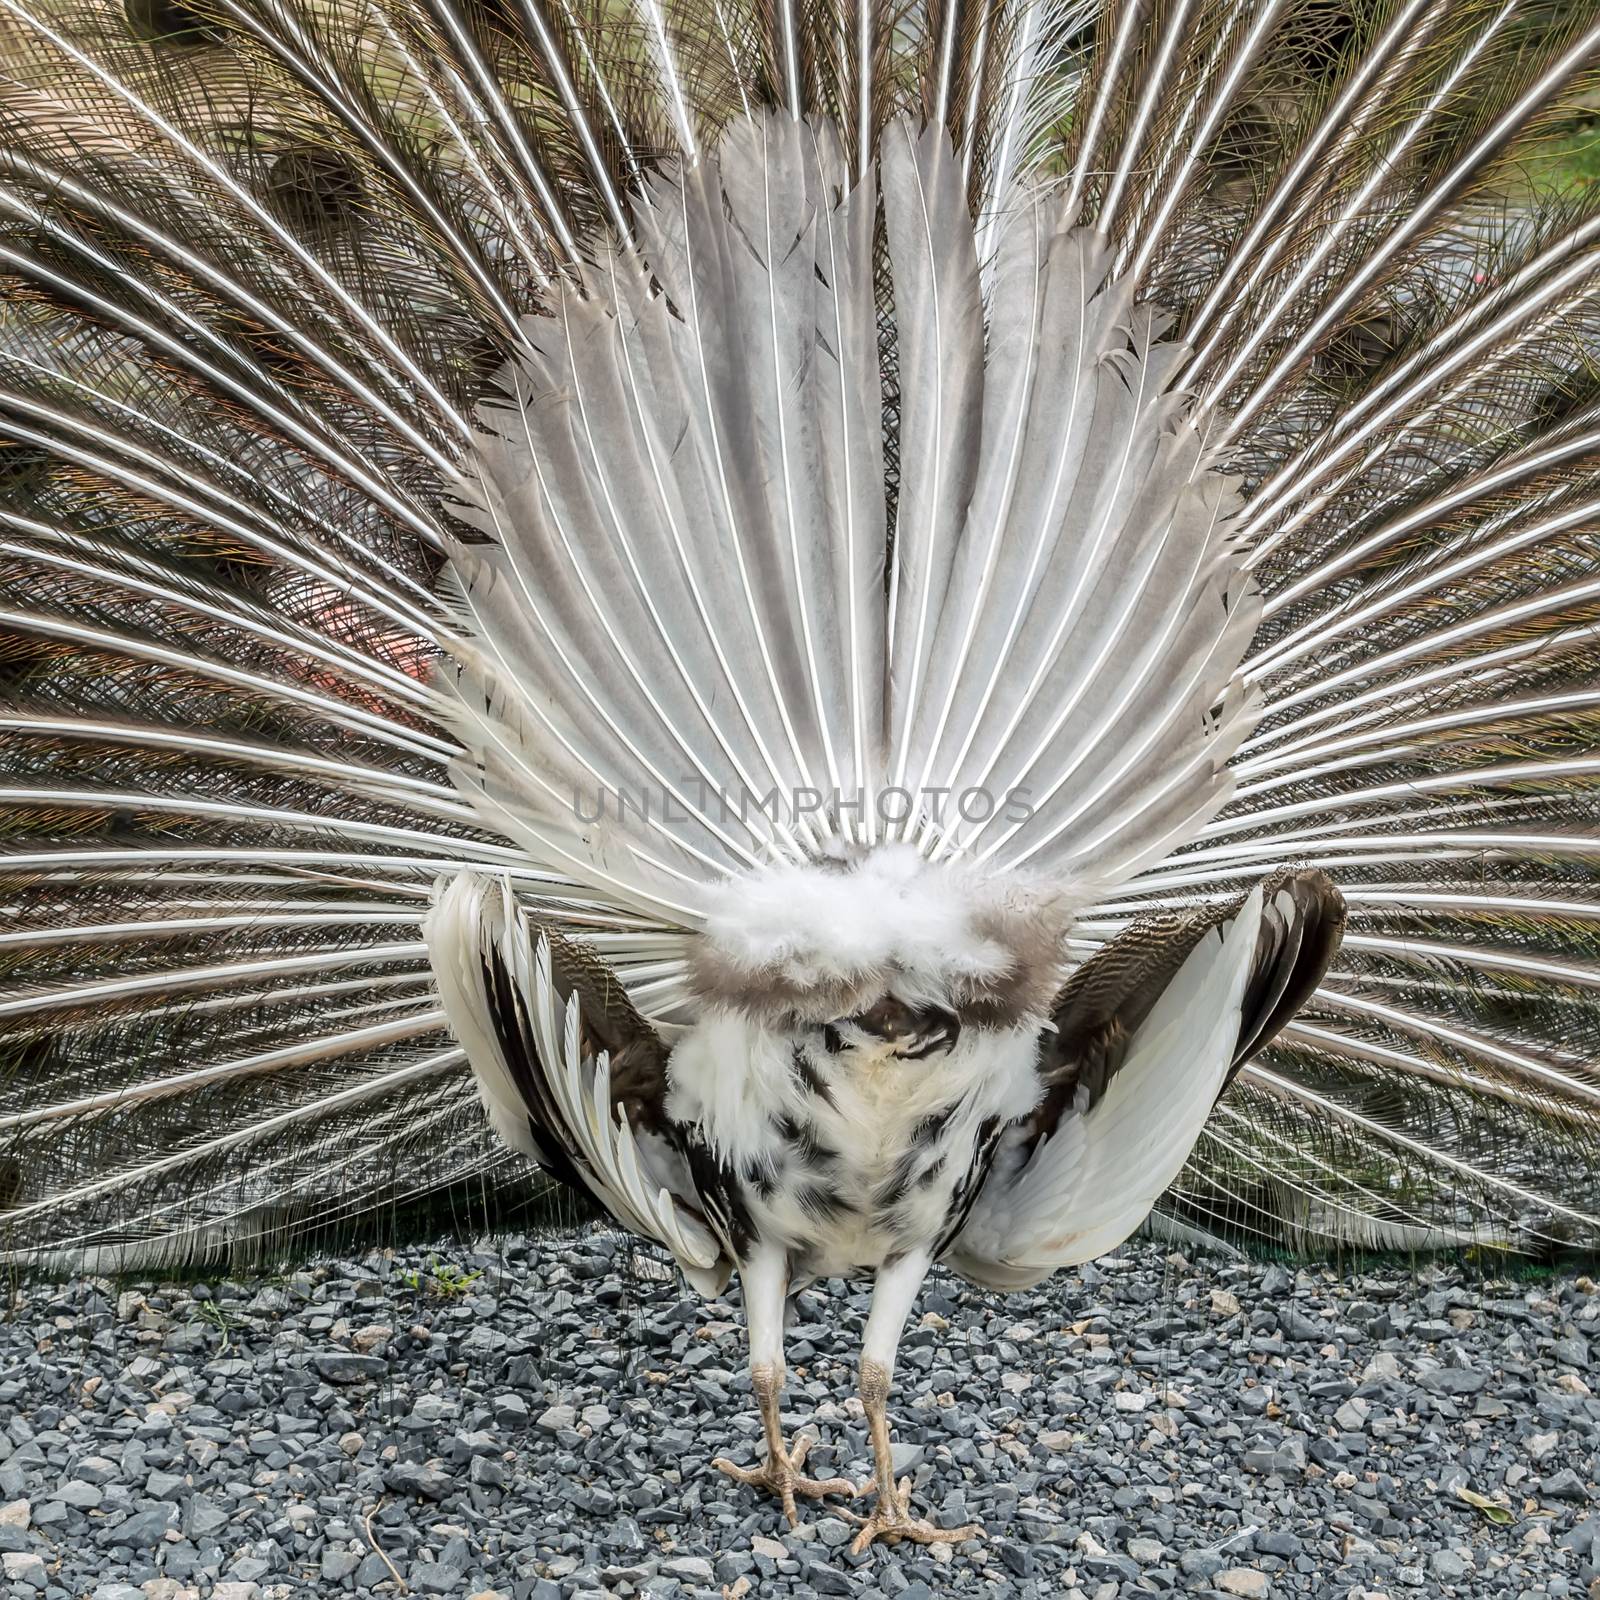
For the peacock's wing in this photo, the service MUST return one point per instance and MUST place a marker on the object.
(571, 1074)
(1145, 1037)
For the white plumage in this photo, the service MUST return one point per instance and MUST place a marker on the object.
(677, 661)
(784, 575)
(736, 1081)
(1087, 1186)
(829, 938)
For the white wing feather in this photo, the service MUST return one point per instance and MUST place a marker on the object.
(1089, 1185)
(468, 921)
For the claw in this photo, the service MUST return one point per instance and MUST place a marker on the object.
(780, 1474)
(893, 1521)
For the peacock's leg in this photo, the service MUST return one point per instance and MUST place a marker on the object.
(765, 1280)
(893, 1295)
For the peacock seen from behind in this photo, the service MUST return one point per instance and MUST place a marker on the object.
(806, 607)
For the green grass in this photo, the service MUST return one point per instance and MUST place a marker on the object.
(214, 1316)
(439, 1280)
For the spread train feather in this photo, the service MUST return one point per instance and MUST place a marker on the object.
(468, 468)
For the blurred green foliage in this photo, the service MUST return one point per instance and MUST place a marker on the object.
(1567, 163)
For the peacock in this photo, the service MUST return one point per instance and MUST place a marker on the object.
(878, 635)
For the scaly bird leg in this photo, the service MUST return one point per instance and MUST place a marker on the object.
(892, 1298)
(765, 1278)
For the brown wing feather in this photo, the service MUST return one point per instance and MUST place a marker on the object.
(1100, 1009)
(1101, 1006)
(1302, 924)
(610, 1021)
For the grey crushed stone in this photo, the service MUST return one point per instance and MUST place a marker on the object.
(544, 1430)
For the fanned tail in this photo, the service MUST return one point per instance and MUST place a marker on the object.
(676, 631)
(1226, 318)
(1394, 356)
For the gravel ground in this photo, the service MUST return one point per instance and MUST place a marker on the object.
(544, 1429)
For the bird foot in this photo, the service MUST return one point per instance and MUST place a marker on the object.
(780, 1474)
(893, 1522)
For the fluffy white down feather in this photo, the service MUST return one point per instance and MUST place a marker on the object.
(888, 921)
